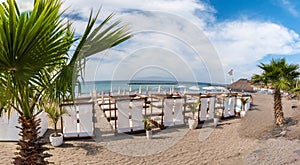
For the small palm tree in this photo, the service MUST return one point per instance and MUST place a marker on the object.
(55, 113)
(280, 76)
(244, 101)
(147, 124)
(194, 107)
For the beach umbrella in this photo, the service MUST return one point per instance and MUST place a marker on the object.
(119, 91)
(194, 88)
(209, 88)
(111, 89)
(124, 91)
(102, 95)
(222, 89)
(147, 89)
(95, 93)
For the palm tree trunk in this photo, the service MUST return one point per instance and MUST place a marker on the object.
(278, 112)
(30, 146)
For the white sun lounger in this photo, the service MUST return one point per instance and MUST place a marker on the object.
(8, 129)
(231, 106)
(168, 112)
(137, 115)
(86, 124)
(70, 122)
(238, 106)
(247, 105)
(226, 103)
(178, 112)
(123, 116)
(79, 121)
(203, 109)
(211, 107)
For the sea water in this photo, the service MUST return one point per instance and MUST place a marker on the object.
(121, 87)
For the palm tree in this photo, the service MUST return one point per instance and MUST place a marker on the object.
(280, 76)
(35, 63)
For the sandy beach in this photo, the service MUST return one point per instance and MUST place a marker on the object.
(249, 140)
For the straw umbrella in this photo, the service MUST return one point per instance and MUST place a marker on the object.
(243, 85)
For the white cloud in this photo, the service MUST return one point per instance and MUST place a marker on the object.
(239, 43)
(180, 27)
(244, 42)
(287, 5)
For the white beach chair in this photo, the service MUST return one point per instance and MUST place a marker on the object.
(203, 109)
(178, 112)
(137, 115)
(86, 124)
(168, 112)
(70, 127)
(123, 116)
(44, 123)
(79, 121)
(238, 106)
(211, 107)
(226, 103)
(247, 105)
(232, 105)
(8, 129)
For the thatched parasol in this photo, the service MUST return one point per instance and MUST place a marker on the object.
(241, 85)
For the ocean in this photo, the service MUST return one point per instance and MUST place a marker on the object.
(142, 86)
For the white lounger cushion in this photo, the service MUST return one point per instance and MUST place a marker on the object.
(137, 115)
(178, 116)
(168, 112)
(203, 108)
(86, 125)
(211, 107)
(123, 116)
(247, 106)
(232, 105)
(238, 107)
(226, 103)
(70, 122)
(82, 112)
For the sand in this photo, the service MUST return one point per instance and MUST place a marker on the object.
(250, 140)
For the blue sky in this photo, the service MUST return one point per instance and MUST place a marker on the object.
(285, 12)
(192, 40)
